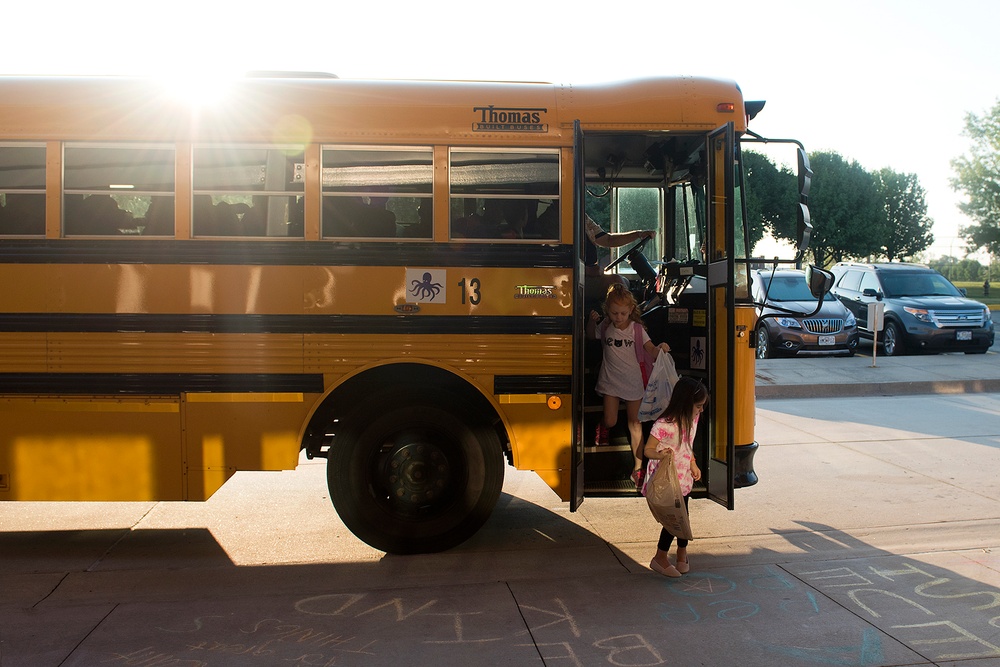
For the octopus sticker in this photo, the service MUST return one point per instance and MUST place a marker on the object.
(698, 347)
(426, 285)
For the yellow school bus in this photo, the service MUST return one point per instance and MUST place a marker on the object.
(387, 274)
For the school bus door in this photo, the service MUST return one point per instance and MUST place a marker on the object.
(719, 467)
(579, 207)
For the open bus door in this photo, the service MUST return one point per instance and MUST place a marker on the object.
(579, 315)
(722, 330)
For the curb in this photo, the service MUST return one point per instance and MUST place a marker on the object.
(862, 389)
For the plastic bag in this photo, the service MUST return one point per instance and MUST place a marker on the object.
(658, 389)
(666, 502)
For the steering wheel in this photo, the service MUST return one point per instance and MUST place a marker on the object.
(637, 247)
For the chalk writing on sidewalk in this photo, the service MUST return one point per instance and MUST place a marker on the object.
(918, 606)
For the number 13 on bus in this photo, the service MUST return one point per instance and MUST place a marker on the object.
(390, 275)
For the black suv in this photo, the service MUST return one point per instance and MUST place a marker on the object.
(923, 310)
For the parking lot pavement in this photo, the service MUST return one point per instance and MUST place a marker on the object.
(865, 375)
(871, 373)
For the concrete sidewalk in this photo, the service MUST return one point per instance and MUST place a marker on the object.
(832, 377)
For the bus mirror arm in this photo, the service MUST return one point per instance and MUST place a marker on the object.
(819, 281)
(779, 311)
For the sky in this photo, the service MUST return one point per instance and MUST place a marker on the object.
(887, 83)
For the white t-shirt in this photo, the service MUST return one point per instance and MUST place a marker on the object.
(620, 373)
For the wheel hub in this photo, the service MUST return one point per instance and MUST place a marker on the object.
(418, 473)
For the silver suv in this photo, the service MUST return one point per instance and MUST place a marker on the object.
(923, 310)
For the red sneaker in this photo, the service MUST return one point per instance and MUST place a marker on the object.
(601, 438)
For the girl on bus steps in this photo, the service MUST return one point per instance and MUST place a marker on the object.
(674, 433)
(620, 378)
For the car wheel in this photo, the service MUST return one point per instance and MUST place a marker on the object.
(763, 343)
(892, 340)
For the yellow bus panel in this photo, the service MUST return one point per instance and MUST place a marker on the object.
(94, 448)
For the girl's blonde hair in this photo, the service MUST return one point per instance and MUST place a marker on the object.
(618, 293)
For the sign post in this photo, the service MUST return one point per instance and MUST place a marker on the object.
(876, 320)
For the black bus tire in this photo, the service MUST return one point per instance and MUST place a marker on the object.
(415, 475)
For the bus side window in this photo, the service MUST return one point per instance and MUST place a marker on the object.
(358, 217)
(23, 214)
(545, 224)
(95, 215)
(22, 189)
(296, 217)
(159, 220)
(510, 194)
(247, 191)
(423, 225)
(377, 193)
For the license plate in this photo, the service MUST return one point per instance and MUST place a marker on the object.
(963, 335)
(828, 340)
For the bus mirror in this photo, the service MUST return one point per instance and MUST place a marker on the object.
(804, 227)
(819, 280)
(803, 224)
(805, 176)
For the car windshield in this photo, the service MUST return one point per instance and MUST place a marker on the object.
(917, 284)
(787, 288)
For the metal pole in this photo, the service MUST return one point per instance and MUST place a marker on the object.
(874, 345)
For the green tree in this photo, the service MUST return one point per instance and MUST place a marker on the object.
(907, 227)
(771, 197)
(977, 175)
(844, 210)
(959, 270)
(970, 270)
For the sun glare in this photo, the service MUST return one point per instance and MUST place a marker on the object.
(198, 89)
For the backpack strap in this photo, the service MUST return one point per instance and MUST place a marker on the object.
(644, 358)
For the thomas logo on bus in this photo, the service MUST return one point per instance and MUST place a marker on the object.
(509, 119)
(535, 292)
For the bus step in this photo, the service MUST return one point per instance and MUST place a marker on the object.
(610, 488)
(618, 446)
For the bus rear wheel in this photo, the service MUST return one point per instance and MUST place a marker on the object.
(416, 476)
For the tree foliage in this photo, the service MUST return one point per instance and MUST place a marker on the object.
(959, 270)
(844, 209)
(855, 214)
(977, 175)
(771, 197)
(904, 207)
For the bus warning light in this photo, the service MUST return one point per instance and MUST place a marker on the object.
(725, 107)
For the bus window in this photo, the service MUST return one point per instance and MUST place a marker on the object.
(687, 213)
(109, 189)
(247, 191)
(741, 245)
(372, 193)
(504, 194)
(636, 209)
(22, 189)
